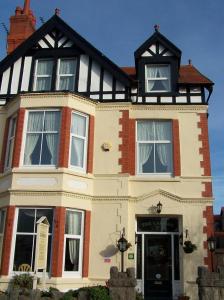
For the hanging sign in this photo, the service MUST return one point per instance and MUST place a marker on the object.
(42, 243)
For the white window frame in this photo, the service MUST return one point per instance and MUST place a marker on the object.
(10, 144)
(36, 76)
(13, 248)
(39, 132)
(154, 142)
(147, 79)
(74, 274)
(86, 139)
(59, 76)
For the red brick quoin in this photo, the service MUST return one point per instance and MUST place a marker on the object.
(90, 144)
(204, 150)
(208, 229)
(4, 146)
(58, 242)
(207, 189)
(127, 146)
(176, 149)
(6, 250)
(85, 267)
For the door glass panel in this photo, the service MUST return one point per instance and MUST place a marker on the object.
(145, 224)
(176, 258)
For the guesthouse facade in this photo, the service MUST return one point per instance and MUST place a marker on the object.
(95, 148)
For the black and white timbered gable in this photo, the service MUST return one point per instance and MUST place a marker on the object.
(56, 58)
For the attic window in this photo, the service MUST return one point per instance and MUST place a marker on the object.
(43, 75)
(157, 78)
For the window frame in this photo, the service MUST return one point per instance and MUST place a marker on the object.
(74, 274)
(3, 231)
(13, 247)
(86, 141)
(10, 144)
(154, 142)
(42, 76)
(58, 75)
(25, 137)
(147, 79)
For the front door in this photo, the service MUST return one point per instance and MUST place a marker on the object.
(157, 267)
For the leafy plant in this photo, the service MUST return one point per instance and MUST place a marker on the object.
(22, 281)
(139, 296)
(189, 247)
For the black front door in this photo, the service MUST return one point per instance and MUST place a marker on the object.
(158, 267)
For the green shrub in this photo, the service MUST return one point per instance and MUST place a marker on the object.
(99, 293)
(49, 293)
(22, 281)
(68, 295)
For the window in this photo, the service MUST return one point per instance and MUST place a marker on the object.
(42, 136)
(154, 147)
(26, 232)
(2, 228)
(10, 143)
(73, 241)
(66, 74)
(79, 136)
(43, 74)
(45, 71)
(157, 78)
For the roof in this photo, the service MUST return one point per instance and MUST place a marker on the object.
(188, 74)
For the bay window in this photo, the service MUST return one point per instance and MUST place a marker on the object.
(10, 143)
(25, 236)
(79, 138)
(154, 147)
(157, 78)
(73, 242)
(42, 138)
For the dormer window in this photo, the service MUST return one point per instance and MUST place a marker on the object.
(157, 78)
(43, 75)
(66, 74)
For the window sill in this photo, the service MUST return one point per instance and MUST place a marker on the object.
(154, 177)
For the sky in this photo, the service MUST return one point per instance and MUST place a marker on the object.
(119, 27)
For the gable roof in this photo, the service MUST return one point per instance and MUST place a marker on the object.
(158, 37)
(56, 22)
(188, 74)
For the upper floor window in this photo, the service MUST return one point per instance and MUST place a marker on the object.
(157, 78)
(79, 138)
(45, 72)
(154, 147)
(10, 143)
(42, 134)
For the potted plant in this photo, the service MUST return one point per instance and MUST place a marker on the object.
(189, 247)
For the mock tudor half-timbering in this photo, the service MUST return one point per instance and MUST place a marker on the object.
(95, 147)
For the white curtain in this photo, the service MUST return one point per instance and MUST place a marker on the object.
(162, 131)
(144, 154)
(52, 143)
(151, 73)
(31, 142)
(77, 152)
(78, 125)
(164, 71)
(67, 66)
(52, 121)
(35, 122)
(44, 68)
(145, 131)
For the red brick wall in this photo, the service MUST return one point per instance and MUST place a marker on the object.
(18, 138)
(58, 242)
(85, 268)
(90, 144)
(64, 137)
(207, 189)
(204, 150)
(7, 242)
(127, 146)
(176, 149)
(208, 229)
(4, 145)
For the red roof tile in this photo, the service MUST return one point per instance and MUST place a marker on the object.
(188, 75)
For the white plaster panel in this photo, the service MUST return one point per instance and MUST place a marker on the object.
(75, 184)
(161, 48)
(119, 86)
(26, 73)
(195, 90)
(15, 76)
(95, 77)
(151, 99)
(68, 44)
(153, 48)
(168, 53)
(2, 101)
(50, 40)
(182, 90)
(166, 99)
(5, 81)
(120, 96)
(146, 54)
(107, 81)
(61, 41)
(107, 96)
(139, 99)
(95, 96)
(196, 99)
(83, 73)
(181, 99)
(37, 181)
(43, 44)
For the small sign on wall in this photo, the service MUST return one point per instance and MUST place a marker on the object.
(131, 256)
(107, 259)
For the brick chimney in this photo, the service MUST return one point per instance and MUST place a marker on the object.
(22, 25)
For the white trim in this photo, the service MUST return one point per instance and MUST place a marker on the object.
(10, 141)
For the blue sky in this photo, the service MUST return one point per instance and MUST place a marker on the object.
(118, 27)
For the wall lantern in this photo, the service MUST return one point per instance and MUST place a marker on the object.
(159, 207)
(211, 247)
(123, 245)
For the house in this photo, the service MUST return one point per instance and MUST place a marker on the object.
(96, 148)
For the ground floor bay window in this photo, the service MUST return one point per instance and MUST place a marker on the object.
(73, 243)
(25, 237)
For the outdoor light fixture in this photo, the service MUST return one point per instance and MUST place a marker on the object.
(123, 245)
(211, 247)
(159, 207)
